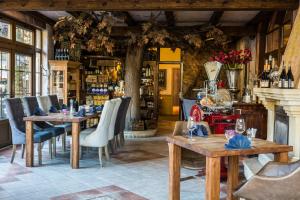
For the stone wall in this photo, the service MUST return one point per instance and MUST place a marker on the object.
(194, 73)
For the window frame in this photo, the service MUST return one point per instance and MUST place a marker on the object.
(14, 47)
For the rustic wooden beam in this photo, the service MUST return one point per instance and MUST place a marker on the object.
(129, 19)
(215, 18)
(25, 18)
(260, 17)
(124, 5)
(238, 31)
(40, 16)
(170, 18)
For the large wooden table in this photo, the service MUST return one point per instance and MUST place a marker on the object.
(55, 117)
(212, 148)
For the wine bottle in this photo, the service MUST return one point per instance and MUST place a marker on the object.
(290, 77)
(283, 77)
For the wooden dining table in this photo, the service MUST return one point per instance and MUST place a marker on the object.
(212, 147)
(56, 117)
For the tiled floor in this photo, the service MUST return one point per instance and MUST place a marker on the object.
(137, 171)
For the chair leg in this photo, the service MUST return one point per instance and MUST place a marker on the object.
(118, 143)
(80, 152)
(111, 146)
(40, 153)
(122, 138)
(54, 146)
(23, 150)
(106, 152)
(63, 141)
(13, 153)
(100, 156)
(50, 148)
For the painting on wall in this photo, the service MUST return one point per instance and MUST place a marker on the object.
(162, 79)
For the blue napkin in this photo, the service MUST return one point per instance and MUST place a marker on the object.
(81, 113)
(198, 130)
(53, 109)
(99, 108)
(238, 142)
(38, 112)
(64, 106)
(92, 109)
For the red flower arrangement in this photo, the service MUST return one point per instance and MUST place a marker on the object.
(234, 59)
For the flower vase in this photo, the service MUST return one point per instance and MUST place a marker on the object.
(232, 78)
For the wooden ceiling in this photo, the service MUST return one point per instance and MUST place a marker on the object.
(125, 5)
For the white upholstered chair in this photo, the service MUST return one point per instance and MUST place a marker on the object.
(45, 104)
(99, 137)
(111, 130)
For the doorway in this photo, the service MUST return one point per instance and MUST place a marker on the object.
(169, 79)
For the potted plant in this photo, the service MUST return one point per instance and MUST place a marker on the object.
(233, 61)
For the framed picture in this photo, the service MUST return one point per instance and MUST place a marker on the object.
(162, 78)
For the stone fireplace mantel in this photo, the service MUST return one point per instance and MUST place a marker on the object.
(289, 99)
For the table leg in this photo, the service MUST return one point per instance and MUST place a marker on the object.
(233, 176)
(174, 171)
(212, 181)
(75, 145)
(29, 144)
(281, 157)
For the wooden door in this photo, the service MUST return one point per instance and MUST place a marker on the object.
(176, 90)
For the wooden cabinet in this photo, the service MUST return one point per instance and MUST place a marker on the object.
(65, 79)
(256, 116)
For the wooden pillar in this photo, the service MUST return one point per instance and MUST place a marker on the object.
(133, 65)
(291, 53)
(260, 47)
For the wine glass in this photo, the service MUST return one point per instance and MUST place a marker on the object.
(240, 126)
(190, 125)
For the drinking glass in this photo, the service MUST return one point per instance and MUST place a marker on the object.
(240, 126)
(190, 125)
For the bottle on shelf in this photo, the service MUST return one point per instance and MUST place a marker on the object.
(264, 77)
(290, 78)
(283, 83)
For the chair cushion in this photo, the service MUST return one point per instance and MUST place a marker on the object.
(55, 131)
(186, 106)
(66, 126)
(41, 136)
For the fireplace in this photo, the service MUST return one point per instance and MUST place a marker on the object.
(281, 126)
(283, 107)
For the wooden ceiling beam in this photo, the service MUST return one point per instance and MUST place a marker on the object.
(40, 16)
(129, 19)
(170, 18)
(25, 18)
(260, 17)
(125, 5)
(237, 31)
(215, 18)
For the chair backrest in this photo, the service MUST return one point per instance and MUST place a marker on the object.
(15, 113)
(123, 119)
(99, 137)
(186, 106)
(121, 115)
(111, 130)
(30, 104)
(44, 103)
(54, 101)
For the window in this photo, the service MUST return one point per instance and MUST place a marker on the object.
(5, 29)
(38, 74)
(4, 80)
(22, 75)
(38, 41)
(24, 35)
